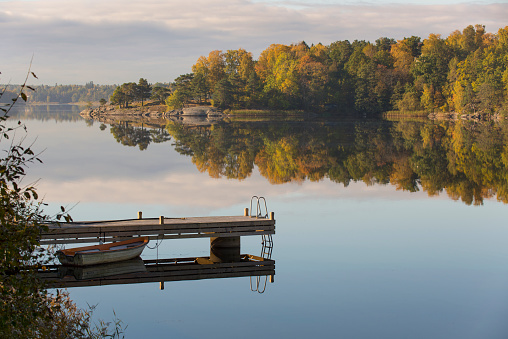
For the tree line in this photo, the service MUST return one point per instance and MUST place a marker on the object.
(64, 94)
(130, 92)
(465, 72)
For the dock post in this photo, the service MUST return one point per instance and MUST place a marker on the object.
(225, 249)
(246, 212)
(272, 216)
(272, 279)
(140, 215)
(161, 285)
(161, 220)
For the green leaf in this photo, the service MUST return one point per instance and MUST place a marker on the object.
(23, 96)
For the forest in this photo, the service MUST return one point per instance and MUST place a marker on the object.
(465, 72)
(64, 94)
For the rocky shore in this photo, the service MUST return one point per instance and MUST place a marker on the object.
(197, 115)
(472, 116)
(208, 114)
(150, 111)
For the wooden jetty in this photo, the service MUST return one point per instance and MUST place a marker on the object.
(158, 228)
(161, 270)
(225, 260)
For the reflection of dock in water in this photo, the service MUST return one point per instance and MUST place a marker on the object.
(161, 270)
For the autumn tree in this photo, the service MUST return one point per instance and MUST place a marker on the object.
(313, 75)
(211, 67)
(176, 100)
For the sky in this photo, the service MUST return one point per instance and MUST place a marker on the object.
(117, 41)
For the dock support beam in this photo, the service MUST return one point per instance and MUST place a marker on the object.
(225, 249)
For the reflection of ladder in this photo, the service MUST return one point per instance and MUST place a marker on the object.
(266, 253)
(266, 242)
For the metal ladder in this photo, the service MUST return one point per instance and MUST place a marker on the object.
(259, 214)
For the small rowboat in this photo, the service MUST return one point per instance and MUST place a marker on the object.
(101, 254)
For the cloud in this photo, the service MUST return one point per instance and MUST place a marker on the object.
(179, 189)
(113, 41)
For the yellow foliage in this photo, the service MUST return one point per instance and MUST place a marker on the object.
(403, 56)
(433, 44)
(402, 175)
(212, 67)
(268, 58)
(369, 50)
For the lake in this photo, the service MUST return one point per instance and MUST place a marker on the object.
(384, 229)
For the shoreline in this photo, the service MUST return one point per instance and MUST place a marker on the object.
(210, 114)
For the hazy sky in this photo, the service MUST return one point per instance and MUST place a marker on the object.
(116, 41)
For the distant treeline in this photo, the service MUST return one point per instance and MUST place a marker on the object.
(466, 72)
(64, 94)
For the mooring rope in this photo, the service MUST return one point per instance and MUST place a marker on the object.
(157, 243)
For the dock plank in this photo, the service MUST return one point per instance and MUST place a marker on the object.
(172, 228)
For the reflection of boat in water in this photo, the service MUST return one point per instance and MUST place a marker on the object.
(156, 270)
(136, 265)
(101, 254)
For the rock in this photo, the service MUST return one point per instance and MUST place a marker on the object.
(174, 113)
(200, 111)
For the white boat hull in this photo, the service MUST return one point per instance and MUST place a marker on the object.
(102, 254)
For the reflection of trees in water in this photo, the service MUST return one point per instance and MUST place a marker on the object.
(138, 136)
(57, 113)
(221, 150)
(469, 160)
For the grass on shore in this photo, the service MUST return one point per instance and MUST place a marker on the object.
(260, 112)
(402, 114)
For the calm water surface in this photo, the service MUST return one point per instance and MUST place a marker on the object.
(352, 261)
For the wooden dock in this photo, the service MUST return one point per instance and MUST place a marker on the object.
(225, 260)
(162, 270)
(158, 228)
